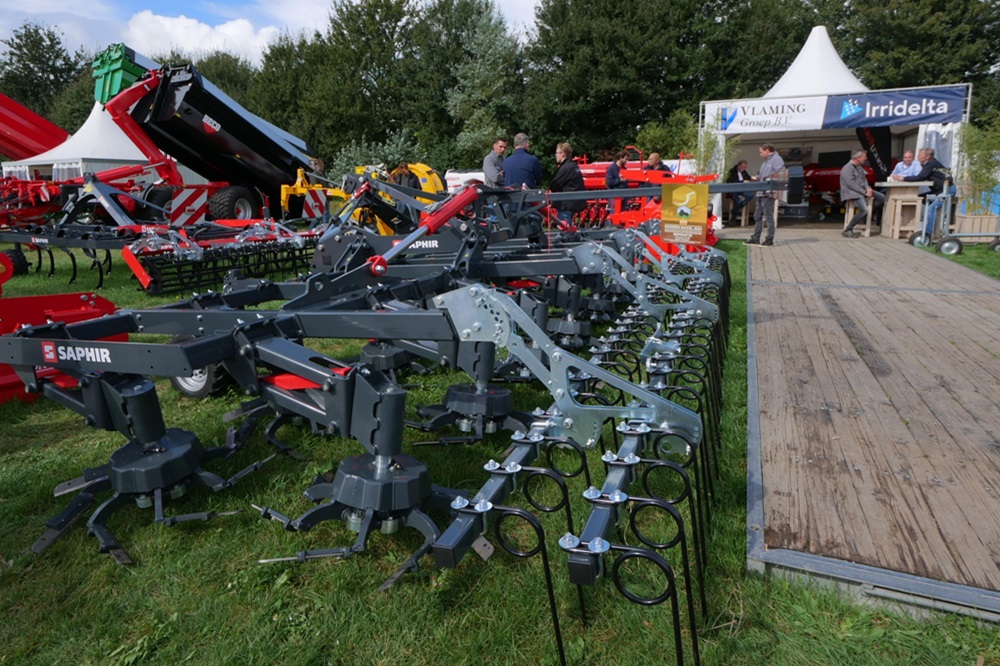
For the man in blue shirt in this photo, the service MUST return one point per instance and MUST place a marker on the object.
(908, 167)
(522, 169)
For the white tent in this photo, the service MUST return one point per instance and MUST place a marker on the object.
(816, 70)
(98, 145)
(812, 115)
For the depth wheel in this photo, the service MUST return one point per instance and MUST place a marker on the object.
(994, 246)
(19, 262)
(210, 381)
(918, 239)
(950, 246)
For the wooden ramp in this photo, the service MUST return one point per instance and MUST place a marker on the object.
(875, 419)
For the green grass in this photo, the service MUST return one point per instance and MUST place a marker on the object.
(977, 256)
(197, 595)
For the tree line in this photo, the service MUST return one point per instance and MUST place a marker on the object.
(438, 80)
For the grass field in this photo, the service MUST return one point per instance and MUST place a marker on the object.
(197, 594)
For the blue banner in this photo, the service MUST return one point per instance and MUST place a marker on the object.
(896, 107)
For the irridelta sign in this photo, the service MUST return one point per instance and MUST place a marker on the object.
(897, 107)
(916, 106)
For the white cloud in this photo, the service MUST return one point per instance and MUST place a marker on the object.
(152, 35)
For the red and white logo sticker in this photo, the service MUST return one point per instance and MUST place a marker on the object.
(49, 352)
(211, 125)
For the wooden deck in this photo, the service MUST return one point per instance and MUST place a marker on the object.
(875, 406)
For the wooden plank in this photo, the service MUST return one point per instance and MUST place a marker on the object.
(879, 393)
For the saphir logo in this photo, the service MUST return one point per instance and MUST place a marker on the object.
(728, 118)
(49, 352)
(851, 107)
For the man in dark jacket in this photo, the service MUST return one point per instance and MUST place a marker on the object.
(567, 179)
(522, 169)
(941, 184)
(738, 174)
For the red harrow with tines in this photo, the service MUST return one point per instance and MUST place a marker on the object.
(167, 260)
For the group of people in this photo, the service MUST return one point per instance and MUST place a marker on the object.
(926, 168)
(854, 187)
(523, 170)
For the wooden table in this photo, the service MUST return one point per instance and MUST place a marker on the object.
(902, 212)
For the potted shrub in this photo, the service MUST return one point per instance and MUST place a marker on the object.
(979, 182)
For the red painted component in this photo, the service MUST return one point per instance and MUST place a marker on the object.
(377, 265)
(118, 107)
(36, 310)
(435, 217)
(523, 284)
(24, 133)
(290, 382)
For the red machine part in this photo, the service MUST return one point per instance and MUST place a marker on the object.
(36, 310)
(24, 133)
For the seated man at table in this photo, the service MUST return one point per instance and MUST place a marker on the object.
(941, 181)
(854, 187)
(907, 167)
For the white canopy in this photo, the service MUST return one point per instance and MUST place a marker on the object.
(816, 70)
(98, 145)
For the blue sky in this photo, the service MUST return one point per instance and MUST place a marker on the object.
(242, 27)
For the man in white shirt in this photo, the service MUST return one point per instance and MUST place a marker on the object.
(908, 167)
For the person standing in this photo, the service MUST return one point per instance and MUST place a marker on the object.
(772, 166)
(567, 179)
(523, 170)
(854, 187)
(403, 176)
(613, 174)
(493, 175)
(738, 174)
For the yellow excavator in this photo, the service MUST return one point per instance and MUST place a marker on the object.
(315, 194)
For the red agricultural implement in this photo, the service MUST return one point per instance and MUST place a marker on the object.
(24, 133)
(18, 312)
(179, 235)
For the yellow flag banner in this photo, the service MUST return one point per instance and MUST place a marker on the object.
(684, 213)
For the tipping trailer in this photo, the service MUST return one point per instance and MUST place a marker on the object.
(24, 133)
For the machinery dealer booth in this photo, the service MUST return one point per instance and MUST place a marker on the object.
(818, 112)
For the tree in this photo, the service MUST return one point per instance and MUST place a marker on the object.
(36, 67)
(73, 105)
(441, 40)
(598, 70)
(484, 101)
(897, 44)
(289, 73)
(356, 88)
(232, 74)
(678, 134)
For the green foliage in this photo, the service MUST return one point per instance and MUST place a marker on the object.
(35, 66)
(73, 105)
(290, 72)
(677, 134)
(484, 100)
(232, 74)
(440, 45)
(397, 147)
(980, 172)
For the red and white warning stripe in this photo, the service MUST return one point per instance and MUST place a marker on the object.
(190, 205)
(315, 204)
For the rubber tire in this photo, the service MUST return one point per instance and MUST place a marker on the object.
(158, 196)
(949, 246)
(207, 382)
(994, 246)
(918, 239)
(19, 261)
(233, 203)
